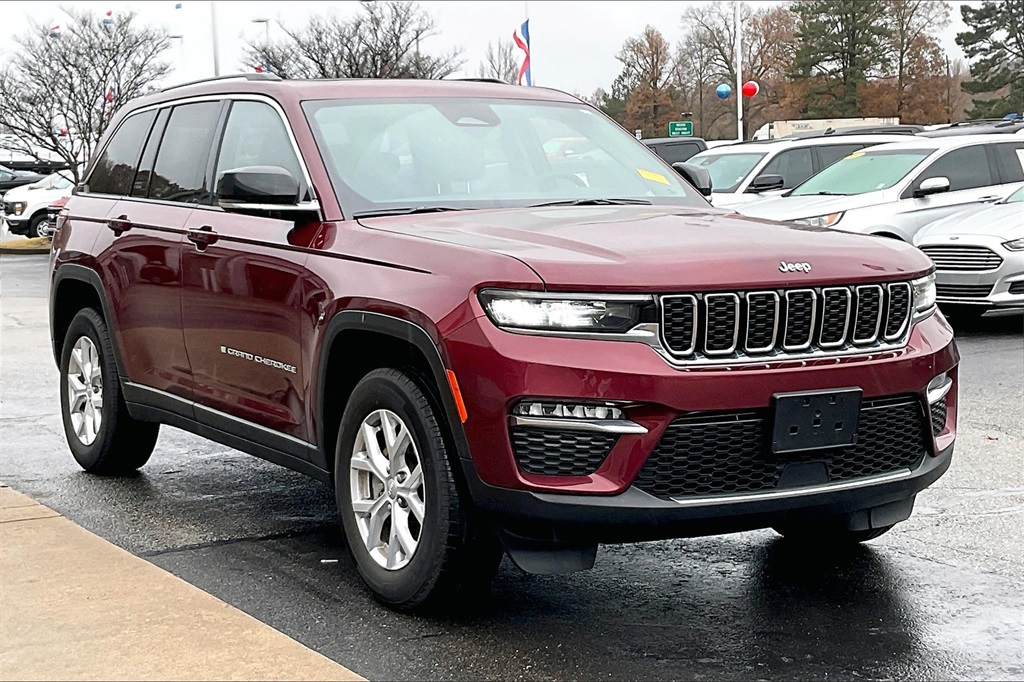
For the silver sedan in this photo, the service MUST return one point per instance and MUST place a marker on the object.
(979, 257)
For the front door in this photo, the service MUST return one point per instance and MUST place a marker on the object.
(242, 294)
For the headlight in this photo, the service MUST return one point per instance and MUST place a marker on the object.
(821, 220)
(562, 312)
(1015, 245)
(924, 293)
(19, 207)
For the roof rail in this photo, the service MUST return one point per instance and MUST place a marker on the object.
(481, 80)
(246, 76)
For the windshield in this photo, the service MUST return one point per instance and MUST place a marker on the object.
(862, 172)
(1016, 198)
(418, 154)
(728, 171)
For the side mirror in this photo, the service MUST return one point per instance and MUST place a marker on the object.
(698, 176)
(932, 186)
(766, 183)
(260, 189)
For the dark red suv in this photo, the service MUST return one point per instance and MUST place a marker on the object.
(392, 287)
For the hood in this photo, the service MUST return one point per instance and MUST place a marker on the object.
(36, 195)
(795, 208)
(1005, 221)
(651, 248)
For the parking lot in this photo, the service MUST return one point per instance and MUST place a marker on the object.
(939, 597)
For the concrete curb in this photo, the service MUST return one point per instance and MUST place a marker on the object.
(27, 247)
(77, 607)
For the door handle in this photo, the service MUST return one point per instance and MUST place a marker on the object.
(202, 236)
(119, 225)
(990, 197)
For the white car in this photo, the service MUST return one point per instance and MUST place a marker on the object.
(979, 257)
(742, 171)
(895, 189)
(24, 208)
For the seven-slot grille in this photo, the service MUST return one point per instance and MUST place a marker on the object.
(768, 324)
(956, 258)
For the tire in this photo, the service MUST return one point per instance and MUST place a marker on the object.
(425, 563)
(34, 225)
(118, 444)
(828, 536)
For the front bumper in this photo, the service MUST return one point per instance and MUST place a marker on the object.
(496, 369)
(16, 226)
(989, 289)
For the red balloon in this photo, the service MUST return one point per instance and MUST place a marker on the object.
(750, 88)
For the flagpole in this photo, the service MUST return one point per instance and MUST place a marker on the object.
(739, 72)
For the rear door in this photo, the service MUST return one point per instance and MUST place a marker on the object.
(242, 297)
(972, 179)
(794, 165)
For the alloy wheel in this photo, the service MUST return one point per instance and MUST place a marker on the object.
(85, 390)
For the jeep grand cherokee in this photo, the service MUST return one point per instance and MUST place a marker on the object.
(391, 287)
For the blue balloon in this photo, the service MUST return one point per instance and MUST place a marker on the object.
(723, 91)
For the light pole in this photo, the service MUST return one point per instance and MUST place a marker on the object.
(266, 28)
(213, 29)
(737, 26)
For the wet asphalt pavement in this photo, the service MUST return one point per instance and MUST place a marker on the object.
(940, 597)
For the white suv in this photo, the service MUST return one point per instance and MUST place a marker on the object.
(896, 189)
(743, 172)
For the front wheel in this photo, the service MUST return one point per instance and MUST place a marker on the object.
(34, 226)
(407, 524)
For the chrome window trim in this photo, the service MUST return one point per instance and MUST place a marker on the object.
(878, 318)
(617, 426)
(661, 317)
(846, 323)
(814, 318)
(735, 327)
(888, 309)
(775, 326)
(233, 96)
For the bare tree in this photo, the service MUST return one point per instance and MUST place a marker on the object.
(60, 91)
(500, 62)
(382, 41)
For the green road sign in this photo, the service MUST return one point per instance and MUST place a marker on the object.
(680, 129)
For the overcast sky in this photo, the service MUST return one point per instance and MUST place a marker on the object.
(573, 43)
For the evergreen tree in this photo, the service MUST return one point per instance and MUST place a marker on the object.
(994, 43)
(839, 44)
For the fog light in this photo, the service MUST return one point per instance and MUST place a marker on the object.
(567, 410)
(938, 388)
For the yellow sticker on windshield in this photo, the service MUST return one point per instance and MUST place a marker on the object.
(855, 155)
(651, 175)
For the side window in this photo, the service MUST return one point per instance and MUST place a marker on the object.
(673, 153)
(829, 154)
(966, 168)
(255, 136)
(5, 176)
(115, 169)
(1010, 161)
(180, 170)
(140, 188)
(794, 165)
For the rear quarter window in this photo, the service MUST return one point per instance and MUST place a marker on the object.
(115, 169)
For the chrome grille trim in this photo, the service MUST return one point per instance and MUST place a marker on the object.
(846, 322)
(890, 288)
(709, 299)
(775, 323)
(878, 316)
(963, 257)
(692, 300)
(810, 326)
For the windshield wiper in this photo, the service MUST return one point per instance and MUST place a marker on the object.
(594, 202)
(824, 194)
(406, 210)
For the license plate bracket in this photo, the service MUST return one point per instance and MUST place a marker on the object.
(815, 420)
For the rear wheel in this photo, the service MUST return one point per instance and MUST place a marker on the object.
(103, 437)
(407, 524)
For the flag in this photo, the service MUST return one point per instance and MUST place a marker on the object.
(55, 31)
(522, 40)
(111, 96)
(177, 5)
(108, 20)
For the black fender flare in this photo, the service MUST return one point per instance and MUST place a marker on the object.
(81, 273)
(404, 330)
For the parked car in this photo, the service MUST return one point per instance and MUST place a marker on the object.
(53, 211)
(896, 189)
(979, 257)
(996, 127)
(387, 286)
(24, 208)
(9, 179)
(676, 149)
(741, 172)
